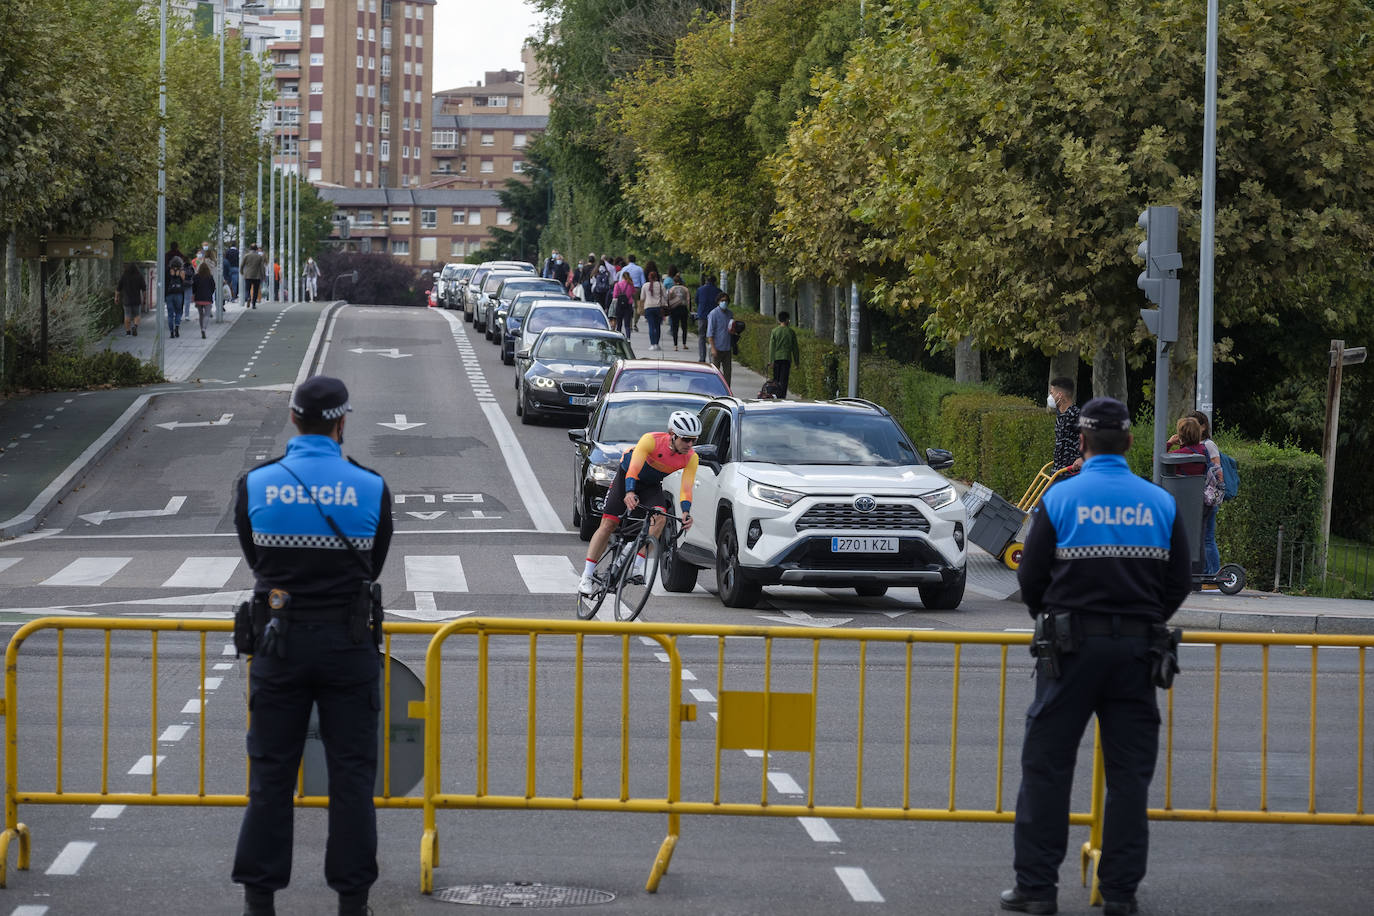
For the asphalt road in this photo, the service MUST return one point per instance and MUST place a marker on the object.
(483, 527)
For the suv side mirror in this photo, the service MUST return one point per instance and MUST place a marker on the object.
(522, 354)
(940, 459)
(709, 455)
(578, 435)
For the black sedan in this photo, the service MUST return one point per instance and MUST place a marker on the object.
(563, 369)
(614, 427)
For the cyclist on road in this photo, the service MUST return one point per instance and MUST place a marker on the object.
(639, 482)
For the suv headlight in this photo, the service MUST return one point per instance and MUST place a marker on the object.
(604, 473)
(938, 499)
(775, 495)
(540, 381)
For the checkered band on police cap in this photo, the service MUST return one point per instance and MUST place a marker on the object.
(320, 397)
(1104, 413)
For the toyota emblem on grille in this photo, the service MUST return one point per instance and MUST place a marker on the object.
(865, 503)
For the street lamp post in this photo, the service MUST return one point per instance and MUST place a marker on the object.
(159, 295)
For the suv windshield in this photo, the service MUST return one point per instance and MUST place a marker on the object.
(824, 435)
(627, 421)
(695, 381)
(575, 316)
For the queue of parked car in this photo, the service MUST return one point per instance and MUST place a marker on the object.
(828, 494)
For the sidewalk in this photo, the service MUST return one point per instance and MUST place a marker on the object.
(180, 356)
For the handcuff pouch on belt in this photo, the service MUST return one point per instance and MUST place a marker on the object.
(1163, 655)
(260, 624)
(1054, 638)
(365, 618)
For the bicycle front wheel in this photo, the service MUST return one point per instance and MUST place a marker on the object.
(634, 590)
(588, 605)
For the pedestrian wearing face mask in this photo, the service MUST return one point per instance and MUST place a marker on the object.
(1066, 450)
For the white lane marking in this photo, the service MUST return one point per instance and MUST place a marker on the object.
(784, 783)
(212, 683)
(661, 656)
(87, 571)
(30, 909)
(7, 562)
(425, 603)
(687, 675)
(435, 574)
(648, 641)
(174, 733)
(229, 650)
(326, 316)
(202, 572)
(819, 829)
(753, 752)
(547, 574)
(701, 695)
(223, 666)
(107, 812)
(859, 886)
(144, 767)
(71, 858)
(192, 708)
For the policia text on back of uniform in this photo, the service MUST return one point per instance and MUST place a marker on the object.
(1106, 564)
(315, 528)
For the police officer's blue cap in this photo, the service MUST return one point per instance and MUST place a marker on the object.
(1103, 414)
(320, 397)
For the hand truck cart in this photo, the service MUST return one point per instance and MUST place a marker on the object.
(996, 524)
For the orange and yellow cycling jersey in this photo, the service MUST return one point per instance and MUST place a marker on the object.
(653, 459)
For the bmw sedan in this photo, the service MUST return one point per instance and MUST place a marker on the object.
(615, 425)
(565, 369)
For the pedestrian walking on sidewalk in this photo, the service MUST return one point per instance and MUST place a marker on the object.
(783, 352)
(312, 280)
(708, 294)
(623, 305)
(254, 271)
(679, 301)
(231, 271)
(315, 529)
(174, 288)
(203, 293)
(1106, 564)
(718, 336)
(131, 289)
(653, 298)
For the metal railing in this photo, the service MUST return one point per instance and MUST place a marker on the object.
(1298, 566)
(502, 730)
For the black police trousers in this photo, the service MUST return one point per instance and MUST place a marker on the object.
(325, 668)
(1109, 676)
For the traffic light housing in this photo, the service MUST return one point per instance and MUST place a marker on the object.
(1159, 279)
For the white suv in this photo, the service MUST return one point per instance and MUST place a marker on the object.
(821, 493)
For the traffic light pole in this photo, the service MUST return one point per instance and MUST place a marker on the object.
(1159, 280)
(1203, 398)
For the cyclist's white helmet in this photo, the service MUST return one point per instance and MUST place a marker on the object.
(685, 424)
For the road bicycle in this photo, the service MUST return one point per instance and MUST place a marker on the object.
(614, 572)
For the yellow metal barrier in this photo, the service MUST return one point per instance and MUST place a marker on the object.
(60, 793)
(804, 704)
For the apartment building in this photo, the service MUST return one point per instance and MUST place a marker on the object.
(481, 132)
(425, 227)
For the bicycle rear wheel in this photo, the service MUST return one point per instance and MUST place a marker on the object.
(633, 592)
(588, 605)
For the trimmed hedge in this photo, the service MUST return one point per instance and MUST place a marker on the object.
(1003, 442)
(104, 369)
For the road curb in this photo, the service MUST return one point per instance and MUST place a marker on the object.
(1276, 622)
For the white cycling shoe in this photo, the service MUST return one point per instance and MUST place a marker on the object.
(587, 586)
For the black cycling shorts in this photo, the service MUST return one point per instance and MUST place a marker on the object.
(614, 507)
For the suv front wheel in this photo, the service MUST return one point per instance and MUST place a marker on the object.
(734, 591)
(946, 596)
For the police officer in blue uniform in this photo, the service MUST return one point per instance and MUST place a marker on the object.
(315, 528)
(1106, 563)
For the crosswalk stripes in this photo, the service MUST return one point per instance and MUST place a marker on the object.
(424, 575)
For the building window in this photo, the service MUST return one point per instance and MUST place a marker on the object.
(400, 246)
(518, 102)
(409, 13)
(503, 218)
(317, 60)
(474, 217)
(405, 152)
(463, 167)
(362, 5)
(315, 174)
(386, 65)
(368, 174)
(463, 141)
(372, 63)
(359, 87)
(372, 6)
(386, 38)
(358, 117)
(419, 69)
(419, 12)
(316, 31)
(369, 119)
(386, 94)
(443, 139)
(406, 68)
(419, 41)
(497, 101)
(316, 146)
(386, 122)
(371, 92)
(364, 216)
(317, 117)
(455, 249)
(386, 150)
(517, 166)
(518, 141)
(371, 34)
(360, 61)
(460, 217)
(415, 152)
(360, 33)
(400, 217)
(418, 97)
(357, 179)
(405, 123)
(405, 96)
(488, 139)
(429, 219)
(317, 88)
(488, 166)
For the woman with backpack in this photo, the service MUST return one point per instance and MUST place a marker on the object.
(623, 305)
(679, 304)
(174, 288)
(653, 298)
(1216, 484)
(203, 292)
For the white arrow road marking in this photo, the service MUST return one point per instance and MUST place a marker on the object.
(104, 515)
(427, 516)
(390, 353)
(401, 425)
(801, 618)
(435, 574)
(418, 614)
(177, 424)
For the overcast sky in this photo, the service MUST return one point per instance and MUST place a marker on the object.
(474, 36)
